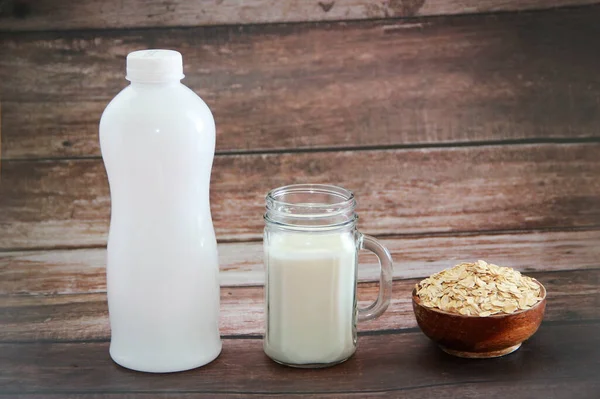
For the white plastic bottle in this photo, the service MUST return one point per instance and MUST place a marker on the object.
(158, 140)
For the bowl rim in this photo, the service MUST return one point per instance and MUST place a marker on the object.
(417, 301)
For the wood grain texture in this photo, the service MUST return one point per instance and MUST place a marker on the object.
(66, 203)
(83, 270)
(19, 15)
(437, 80)
(402, 363)
(581, 388)
(572, 295)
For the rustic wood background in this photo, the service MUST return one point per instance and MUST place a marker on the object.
(468, 129)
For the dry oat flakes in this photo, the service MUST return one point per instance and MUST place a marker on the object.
(479, 289)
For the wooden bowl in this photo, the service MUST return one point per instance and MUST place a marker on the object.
(479, 337)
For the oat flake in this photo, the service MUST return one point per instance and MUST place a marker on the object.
(479, 289)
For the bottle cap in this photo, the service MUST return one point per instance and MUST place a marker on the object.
(153, 66)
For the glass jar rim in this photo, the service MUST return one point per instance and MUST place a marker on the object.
(346, 195)
(336, 211)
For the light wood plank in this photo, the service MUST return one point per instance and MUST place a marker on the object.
(406, 364)
(572, 295)
(66, 203)
(83, 270)
(479, 78)
(89, 14)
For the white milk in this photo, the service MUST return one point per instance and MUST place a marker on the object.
(158, 142)
(311, 297)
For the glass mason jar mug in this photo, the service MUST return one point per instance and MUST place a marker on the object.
(311, 249)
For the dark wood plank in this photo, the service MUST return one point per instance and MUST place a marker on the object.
(406, 364)
(479, 78)
(83, 270)
(572, 295)
(18, 15)
(562, 389)
(66, 203)
(50, 129)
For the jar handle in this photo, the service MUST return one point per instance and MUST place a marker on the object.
(375, 309)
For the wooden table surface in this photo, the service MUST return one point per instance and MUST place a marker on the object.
(562, 360)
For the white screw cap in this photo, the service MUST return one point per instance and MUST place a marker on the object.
(153, 66)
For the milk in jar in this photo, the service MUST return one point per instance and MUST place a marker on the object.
(311, 246)
(311, 297)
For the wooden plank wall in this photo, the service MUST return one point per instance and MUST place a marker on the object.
(465, 136)
(20, 15)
